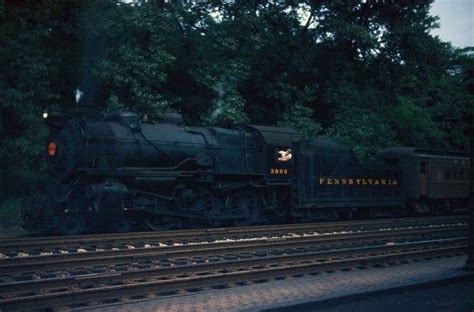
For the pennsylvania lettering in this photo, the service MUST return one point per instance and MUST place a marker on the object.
(356, 181)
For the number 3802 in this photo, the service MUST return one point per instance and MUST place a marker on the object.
(278, 171)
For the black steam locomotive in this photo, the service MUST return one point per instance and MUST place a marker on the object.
(116, 171)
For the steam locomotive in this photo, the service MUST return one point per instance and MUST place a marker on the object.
(116, 172)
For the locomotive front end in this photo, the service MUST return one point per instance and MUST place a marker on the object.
(101, 163)
(65, 145)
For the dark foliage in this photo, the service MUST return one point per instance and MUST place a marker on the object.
(368, 73)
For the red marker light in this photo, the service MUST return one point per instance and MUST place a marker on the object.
(52, 149)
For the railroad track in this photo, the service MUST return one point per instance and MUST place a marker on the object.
(81, 279)
(30, 246)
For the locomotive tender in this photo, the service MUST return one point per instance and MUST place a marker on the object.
(115, 171)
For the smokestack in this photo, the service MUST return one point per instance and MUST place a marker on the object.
(92, 48)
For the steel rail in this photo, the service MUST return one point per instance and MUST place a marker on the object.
(162, 272)
(241, 270)
(43, 243)
(10, 266)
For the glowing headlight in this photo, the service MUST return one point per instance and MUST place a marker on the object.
(45, 115)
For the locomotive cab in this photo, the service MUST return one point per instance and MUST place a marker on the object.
(279, 152)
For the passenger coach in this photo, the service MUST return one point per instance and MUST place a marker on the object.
(434, 181)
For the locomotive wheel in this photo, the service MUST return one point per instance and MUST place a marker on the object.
(122, 225)
(72, 224)
(202, 202)
(244, 204)
(159, 223)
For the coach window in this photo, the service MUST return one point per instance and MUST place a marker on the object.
(423, 167)
(439, 176)
(454, 175)
(447, 173)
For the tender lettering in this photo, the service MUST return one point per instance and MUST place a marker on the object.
(349, 181)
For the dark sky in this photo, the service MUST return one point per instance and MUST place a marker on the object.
(457, 21)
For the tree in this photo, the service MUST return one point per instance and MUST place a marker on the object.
(366, 72)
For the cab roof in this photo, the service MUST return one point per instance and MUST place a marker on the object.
(279, 136)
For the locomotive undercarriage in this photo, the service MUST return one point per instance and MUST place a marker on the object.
(119, 205)
(195, 205)
(84, 205)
